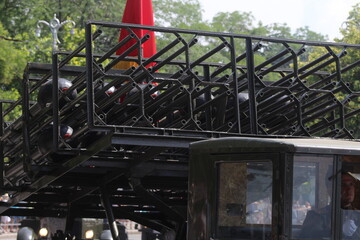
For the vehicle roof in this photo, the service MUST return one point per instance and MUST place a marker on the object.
(303, 145)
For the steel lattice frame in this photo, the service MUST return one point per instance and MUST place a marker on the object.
(134, 142)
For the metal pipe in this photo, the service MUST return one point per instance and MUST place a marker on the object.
(1, 147)
(302, 69)
(214, 34)
(105, 201)
(174, 55)
(126, 52)
(209, 54)
(55, 102)
(155, 200)
(238, 59)
(272, 59)
(282, 62)
(26, 117)
(89, 77)
(251, 84)
(162, 51)
(116, 47)
(319, 127)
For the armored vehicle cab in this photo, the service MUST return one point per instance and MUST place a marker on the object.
(264, 188)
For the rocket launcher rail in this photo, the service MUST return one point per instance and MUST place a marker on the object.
(198, 85)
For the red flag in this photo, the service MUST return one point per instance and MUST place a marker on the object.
(137, 12)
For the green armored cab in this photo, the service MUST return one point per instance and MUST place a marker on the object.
(267, 188)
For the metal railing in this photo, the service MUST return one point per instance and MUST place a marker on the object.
(196, 86)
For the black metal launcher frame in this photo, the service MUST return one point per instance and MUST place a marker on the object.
(128, 153)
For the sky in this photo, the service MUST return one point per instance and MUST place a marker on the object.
(321, 16)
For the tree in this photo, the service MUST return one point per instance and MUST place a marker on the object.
(234, 22)
(185, 14)
(19, 16)
(304, 33)
(351, 34)
(12, 59)
(12, 95)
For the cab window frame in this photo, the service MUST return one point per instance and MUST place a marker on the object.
(270, 157)
(335, 198)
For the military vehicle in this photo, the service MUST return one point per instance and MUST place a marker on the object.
(215, 136)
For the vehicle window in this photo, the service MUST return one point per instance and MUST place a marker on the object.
(312, 189)
(245, 200)
(350, 196)
(304, 189)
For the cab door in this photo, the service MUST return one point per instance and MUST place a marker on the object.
(247, 186)
(325, 197)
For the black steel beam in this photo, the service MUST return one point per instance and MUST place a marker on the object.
(153, 199)
(108, 178)
(66, 167)
(105, 201)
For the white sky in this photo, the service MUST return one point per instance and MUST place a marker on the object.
(322, 16)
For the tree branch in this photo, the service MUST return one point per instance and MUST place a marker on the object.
(10, 39)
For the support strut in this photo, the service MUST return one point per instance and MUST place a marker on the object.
(109, 213)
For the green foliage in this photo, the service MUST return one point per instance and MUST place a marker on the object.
(351, 34)
(19, 16)
(12, 60)
(234, 22)
(12, 95)
(185, 14)
(304, 33)
(279, 30)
